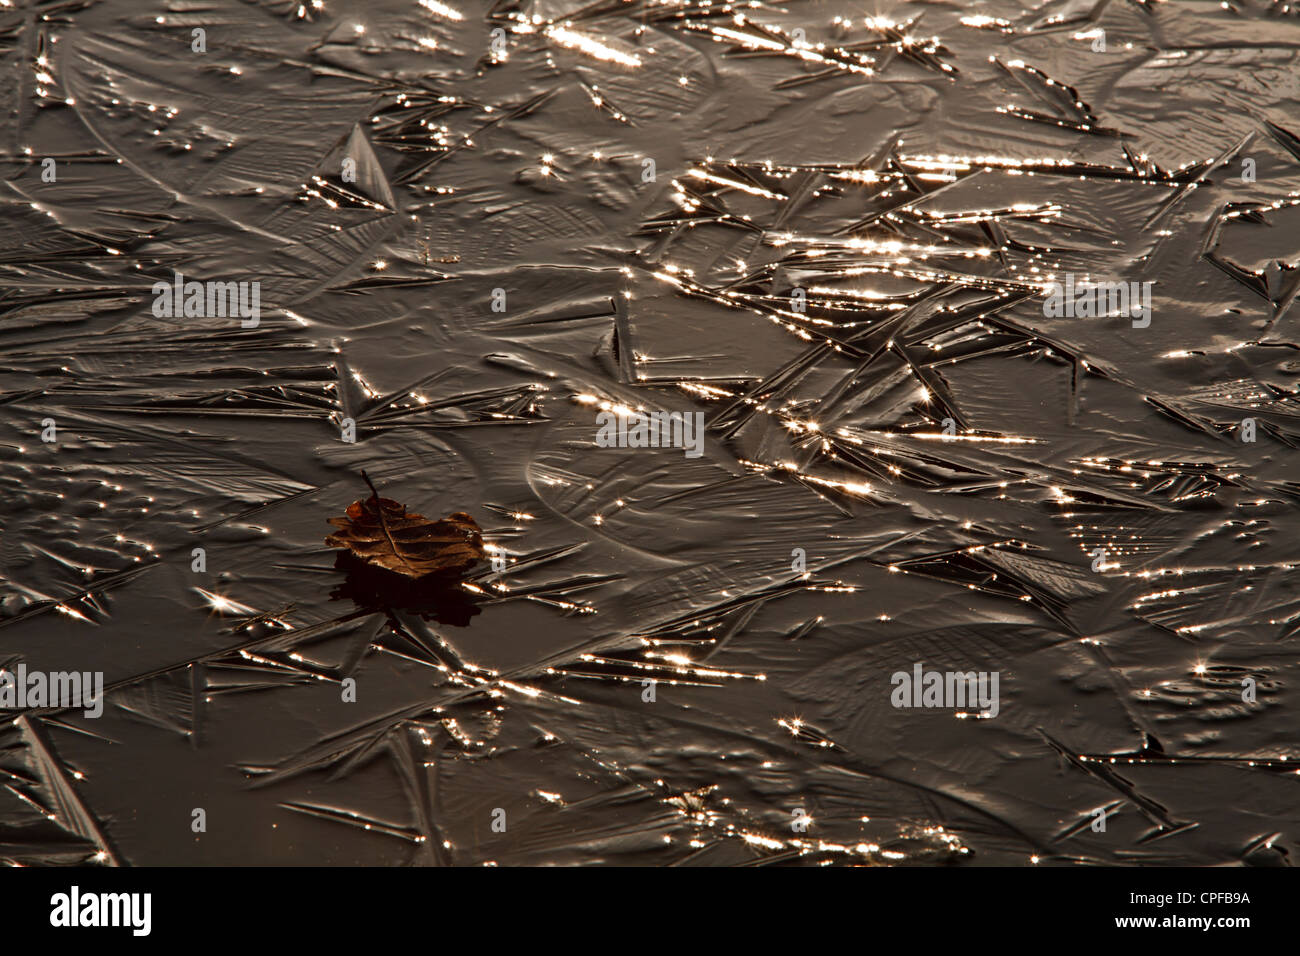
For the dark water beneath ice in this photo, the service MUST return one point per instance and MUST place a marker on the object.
(943, 456)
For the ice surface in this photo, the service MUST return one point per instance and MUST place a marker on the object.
(946, 456)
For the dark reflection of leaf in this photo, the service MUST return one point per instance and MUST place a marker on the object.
(373, 589)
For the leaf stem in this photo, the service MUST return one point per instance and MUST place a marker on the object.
(372, 488)
(383, 522)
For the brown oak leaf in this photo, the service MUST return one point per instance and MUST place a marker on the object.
(382, 533)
